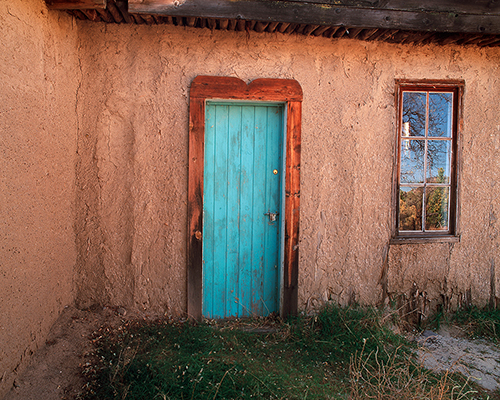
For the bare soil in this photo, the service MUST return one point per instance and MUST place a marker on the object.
(450, 350)
(55, 371)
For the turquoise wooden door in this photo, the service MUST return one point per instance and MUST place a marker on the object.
(241, 206)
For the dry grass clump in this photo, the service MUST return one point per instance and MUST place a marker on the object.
(396, 376)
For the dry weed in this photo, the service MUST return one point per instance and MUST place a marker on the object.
(400, 377)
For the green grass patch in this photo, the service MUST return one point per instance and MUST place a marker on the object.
(479, 322)
(341, 353)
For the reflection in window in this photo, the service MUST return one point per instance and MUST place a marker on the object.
(410, 209)
(440, 114)
(412, 161)
(425, 162)
(414, 105)
(436, 208)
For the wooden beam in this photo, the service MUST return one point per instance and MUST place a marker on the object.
(308, 29)
(76, 4)
(115, 12)
(320, 30)
(331, 31)
(282, 27)
(260, 26)
(232, 25)
(272, 26)
(122, 6)
(447, 6)
(488, 40)
(368, 33)
(92, 15)
(451, 16)
(105, 15)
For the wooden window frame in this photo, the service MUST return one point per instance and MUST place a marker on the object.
(457, 88)
(286, 91)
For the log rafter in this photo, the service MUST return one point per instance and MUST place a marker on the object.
(442, 22)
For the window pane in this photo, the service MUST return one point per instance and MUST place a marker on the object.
(413, 114)
(438, 161)
(440, 114)
(436, 208)
(412, 161)
(410, 209)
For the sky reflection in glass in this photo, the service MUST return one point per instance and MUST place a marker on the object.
(440, 114)
(414, 113)
(412, 161)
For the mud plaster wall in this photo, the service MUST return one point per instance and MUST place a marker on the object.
(38, 83)
(132, 178)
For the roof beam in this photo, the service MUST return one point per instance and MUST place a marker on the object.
(76, 4)
(449, 6)
(414, 15)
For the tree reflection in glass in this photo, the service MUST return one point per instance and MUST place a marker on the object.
(410, 208)
(412, 161)
(438, 161)
(436, 208)
(414, 110)
(440, 114)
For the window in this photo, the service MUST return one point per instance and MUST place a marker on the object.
(426, 194)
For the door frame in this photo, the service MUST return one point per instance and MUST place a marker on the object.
(286, 91)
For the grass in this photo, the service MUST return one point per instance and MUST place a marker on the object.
(402, 378)
(341, 353)
(479, 322)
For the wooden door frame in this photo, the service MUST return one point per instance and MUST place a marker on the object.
(286, 91)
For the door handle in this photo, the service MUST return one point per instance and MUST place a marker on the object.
(272, 216)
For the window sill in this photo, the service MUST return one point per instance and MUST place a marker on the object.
(424, 239)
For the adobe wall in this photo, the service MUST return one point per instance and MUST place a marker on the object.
(132, 178)
(38, 84)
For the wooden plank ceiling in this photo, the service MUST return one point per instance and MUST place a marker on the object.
(461, 22)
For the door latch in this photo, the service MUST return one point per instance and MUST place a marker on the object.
(272, 216)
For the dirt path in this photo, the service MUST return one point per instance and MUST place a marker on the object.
(54, 373)
(477, 359)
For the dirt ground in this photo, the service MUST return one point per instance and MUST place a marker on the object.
(450, 350)
(54, 373)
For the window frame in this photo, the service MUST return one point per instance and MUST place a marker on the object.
(452, 234)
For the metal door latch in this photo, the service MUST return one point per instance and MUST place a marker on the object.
(272, 216)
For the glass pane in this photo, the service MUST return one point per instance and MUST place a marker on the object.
(413, 114)
(410, 209)
(440, 114)
(436, 208)
(412, 161)
(438, 161)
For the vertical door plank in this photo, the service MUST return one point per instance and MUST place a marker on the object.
(233, 205)
(273, 243)
(195, 207)
(292, 207)
(209, 204)
(260, 201)
(247, 219)
(220, 212)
